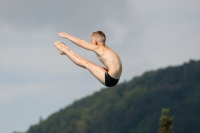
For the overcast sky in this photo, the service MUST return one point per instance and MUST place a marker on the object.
(35, 81)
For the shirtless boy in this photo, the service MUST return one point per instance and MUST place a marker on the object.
(109, 76)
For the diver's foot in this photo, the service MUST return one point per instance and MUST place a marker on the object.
(60, 46)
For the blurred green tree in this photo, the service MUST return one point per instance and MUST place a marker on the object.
(165, 122)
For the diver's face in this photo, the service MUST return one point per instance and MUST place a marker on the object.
(93, 41)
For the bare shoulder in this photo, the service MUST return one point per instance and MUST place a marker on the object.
(103, 50)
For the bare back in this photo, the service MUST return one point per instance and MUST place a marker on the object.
(111, 60)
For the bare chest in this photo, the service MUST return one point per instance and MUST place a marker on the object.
(102, 59)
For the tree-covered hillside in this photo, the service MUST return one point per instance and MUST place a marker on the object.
(134, 106)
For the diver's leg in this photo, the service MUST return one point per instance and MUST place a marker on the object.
(64, 50)
(96, 70)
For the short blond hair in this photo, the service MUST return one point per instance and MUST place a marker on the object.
(99, 36)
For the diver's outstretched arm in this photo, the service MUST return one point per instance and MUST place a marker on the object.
(78, 41)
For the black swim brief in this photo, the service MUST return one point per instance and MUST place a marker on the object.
(110, 81)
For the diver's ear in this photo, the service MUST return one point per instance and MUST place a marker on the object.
(96, 43)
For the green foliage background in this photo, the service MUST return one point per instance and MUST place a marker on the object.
(134, 106)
